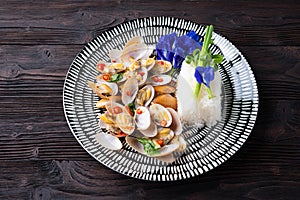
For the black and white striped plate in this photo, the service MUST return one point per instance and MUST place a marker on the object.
(206, 147)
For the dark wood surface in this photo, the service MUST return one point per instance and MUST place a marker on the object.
(40, 158)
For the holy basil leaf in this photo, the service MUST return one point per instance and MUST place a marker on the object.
(149, 146)
(217, 58)
(116, 78)
(131, 107)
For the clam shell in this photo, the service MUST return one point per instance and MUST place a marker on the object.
(115, 55)
(160, 115)
(135, 52)
(152, 93)
(166, 100)
(143, 72)
(145, 96)
(176, 125)
(108, 141)
(160, 79)
(134, 41)
(129, 90)
(178, 139)
(125, 122)
(164, 89)
(161, 66)
(165, 134)
(102, 66)
(101, 103)
(151, 131)
(148, 63)
(142, 118)
(164, 151)
(102, 90)
(113, 86)
(135, 144)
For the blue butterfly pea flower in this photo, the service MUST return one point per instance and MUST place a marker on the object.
(174, 49)
(204, 75)
(194, 36)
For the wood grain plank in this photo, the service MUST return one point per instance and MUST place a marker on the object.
(41, 132)
(246, 23)
(39, 71)
(41, 159)
(89, 180)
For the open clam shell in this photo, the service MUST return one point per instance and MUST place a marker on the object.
(135, 52)
(113, 86)
(134, 41)
(166, 100)
(142, 75)
(129, 90)
(102, 90)
(176, 125)
(114, 108)
(164, 89)
(102, 66)
(160, 115)
(163, 134)
(151, 131)
(161, 66)
(142, 118)
(148, 63)
(145, 96)
(125, 122)
(109, 67)
(108, 141)
(164, 151)
(115, 55)
(178, 139)
(160, 79)
(101, 103)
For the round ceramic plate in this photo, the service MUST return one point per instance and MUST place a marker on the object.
(206, 147)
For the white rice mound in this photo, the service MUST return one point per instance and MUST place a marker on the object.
(201, 111)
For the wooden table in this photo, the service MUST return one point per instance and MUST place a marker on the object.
(40, 158)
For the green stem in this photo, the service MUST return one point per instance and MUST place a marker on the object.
(172, 71)
(201, 59)
(197, 89)
(210, 95)
(204, 51)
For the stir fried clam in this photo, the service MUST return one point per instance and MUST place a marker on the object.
(138, 102)
(108, 141)
(164, 89)
(148, 63)
(151, 131)
(160, 115)
(160, 79)
(163, 151)
(129, 90)
(176, 125)
(142, 118)
(161, 66)
(166, 100)
(103, 90)
(145, 96)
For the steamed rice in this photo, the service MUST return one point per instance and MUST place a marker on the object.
(201, 111)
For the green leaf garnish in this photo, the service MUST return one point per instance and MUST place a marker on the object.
(204, 58)
(132, 107)
(116, 78)
(149, 146)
